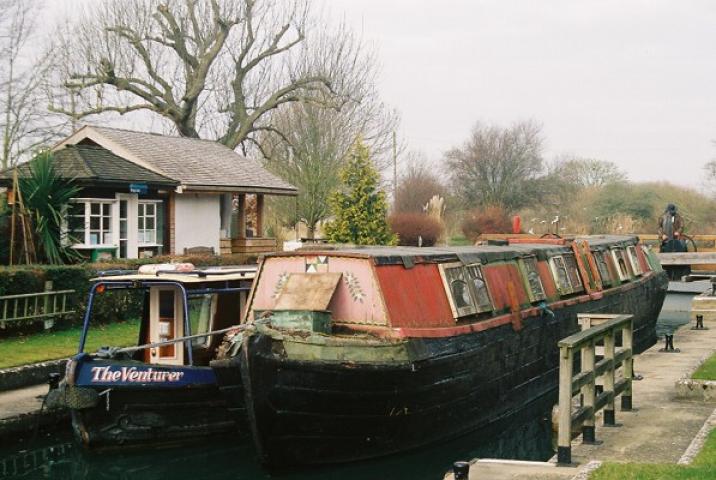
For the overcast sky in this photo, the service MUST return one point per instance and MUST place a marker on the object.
(633, 82)
(629, 81)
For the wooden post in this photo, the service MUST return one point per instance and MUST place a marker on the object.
(609, 419)
(259, 215)
(241, 223)
(589, 394)
(50, 322)
(564, 440)
(627, 344)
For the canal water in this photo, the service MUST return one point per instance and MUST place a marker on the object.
(56, 456)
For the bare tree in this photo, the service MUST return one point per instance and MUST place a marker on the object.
(23, 122)
(313, 150)
(417, 186)
(587, 172)
(211, 68)
(498, 166)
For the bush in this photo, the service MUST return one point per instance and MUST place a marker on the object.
(485, 220)
(411, 226)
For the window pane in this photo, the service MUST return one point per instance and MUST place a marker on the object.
(94, 223)
(166, 304)
(94, 208)
(106, 208)
(149, 223)
(149, 209)
(122, 209)
(94, 238)
(200, 309)
(460, 294)
(571, 265)
(140, 223)
(533, 278)
(105, 223)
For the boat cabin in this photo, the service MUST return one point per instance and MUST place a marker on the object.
(404, 291)
(184, 310)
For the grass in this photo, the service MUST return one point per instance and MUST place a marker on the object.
(703, 467)
(459, 241)
(707, 371)
(63, 343)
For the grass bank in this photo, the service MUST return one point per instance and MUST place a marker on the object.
(703, 467)
(63, 343)
(707, 371)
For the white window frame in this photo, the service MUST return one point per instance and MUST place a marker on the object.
(142, 215)
(634, 260)
(88, 215)
(623, 276)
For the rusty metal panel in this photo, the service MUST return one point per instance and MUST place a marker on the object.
(498, 277)
(415, 297)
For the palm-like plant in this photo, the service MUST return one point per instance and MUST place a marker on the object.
(46, 195)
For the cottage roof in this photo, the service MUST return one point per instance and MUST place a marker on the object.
(196, 164)
(91, 165)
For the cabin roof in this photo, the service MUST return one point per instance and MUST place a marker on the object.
(206, 276)
(465, 254)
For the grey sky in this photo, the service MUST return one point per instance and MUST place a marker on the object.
(633, 82)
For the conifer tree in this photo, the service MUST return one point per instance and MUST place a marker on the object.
(359, 207)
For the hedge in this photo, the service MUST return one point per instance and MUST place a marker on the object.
(116, 306)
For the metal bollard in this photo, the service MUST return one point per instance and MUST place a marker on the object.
(699, 323)
(461, 470)
(53, 380)
(669, 344)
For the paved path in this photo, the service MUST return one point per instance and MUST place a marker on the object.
(22, 401)
(658, 431)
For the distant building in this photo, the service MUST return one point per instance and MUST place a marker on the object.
(145, 194)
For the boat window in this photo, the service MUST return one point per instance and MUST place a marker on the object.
(634, 260)
(618, 255)
(602, 267)
(533, 279)
(201, 313)
(559, 271)
(573, 272)
(645, 249)
(478, 288)
(456, 283)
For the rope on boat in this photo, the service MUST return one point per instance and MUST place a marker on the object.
(236, 328)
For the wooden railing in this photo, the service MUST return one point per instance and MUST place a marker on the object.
(44, 306)
(585, 382)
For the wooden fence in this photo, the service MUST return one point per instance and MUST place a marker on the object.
(45, 306)
(604, 327)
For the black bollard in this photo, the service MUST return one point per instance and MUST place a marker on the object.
(669, 344)
(53, 380)
(461, 470)
(699, 323)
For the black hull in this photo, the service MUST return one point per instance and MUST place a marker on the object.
(141, 416)
(313, 412)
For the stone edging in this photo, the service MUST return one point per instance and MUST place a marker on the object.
(27, 375)
(696, 389)
(698, 442)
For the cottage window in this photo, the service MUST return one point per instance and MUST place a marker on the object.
(89, 221)
(147, 223)
(622, 270)
(466, 289)
(634, 260)
(534, 282)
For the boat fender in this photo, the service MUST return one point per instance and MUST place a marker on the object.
(544, 310)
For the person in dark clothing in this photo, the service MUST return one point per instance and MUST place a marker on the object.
(671, 229)
(671, 233)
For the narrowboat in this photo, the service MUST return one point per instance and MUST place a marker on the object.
(161, 390)
(356, 353)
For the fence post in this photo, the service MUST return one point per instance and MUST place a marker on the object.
(589, 394)
(50, 322)
(609, 419)
(564, 441)
(627, 343)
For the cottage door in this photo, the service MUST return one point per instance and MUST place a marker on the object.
(166, 322)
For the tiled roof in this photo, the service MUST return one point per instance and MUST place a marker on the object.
(194, 162)
(89, 164)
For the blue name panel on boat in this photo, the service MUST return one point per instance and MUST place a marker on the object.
(116, 374)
